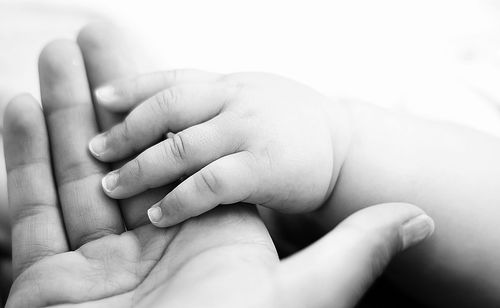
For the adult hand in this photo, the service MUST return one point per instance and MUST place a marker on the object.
(70, 247)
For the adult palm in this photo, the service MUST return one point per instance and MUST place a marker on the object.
(71, 247)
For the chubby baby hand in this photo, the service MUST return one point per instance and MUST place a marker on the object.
(244, 137)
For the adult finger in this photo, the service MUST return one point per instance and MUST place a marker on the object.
(37, 227)
(124, 94)
(227, 180)
(69, 114)
(179, 155)
(173, 109)
(345, 262)
(108, 56)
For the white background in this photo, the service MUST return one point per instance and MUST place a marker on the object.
(435, 58)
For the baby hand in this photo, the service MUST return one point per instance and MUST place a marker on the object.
(246, 137)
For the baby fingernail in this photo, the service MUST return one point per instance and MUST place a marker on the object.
(110, 181)
(154, 214)
(417, 229)
(106, 94)
(97, 145)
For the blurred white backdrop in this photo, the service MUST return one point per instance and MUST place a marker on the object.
(436, 58)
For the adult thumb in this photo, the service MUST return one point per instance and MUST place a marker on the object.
(337, 270)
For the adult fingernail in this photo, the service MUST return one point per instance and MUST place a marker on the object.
(416, 230)
(106, 95)
(155, 214)
(110, 181)
(97, 145)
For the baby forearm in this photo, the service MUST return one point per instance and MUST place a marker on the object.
(451, 172)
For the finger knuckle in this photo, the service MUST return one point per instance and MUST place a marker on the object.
(120, 134)
(208, 181)
(135, 169)
(28, 211)
(93, 235)
(175, 147)
(165, 100)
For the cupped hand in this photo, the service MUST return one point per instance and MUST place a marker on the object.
(70, 244)
(70, 247)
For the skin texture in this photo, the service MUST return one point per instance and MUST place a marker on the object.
(102, 67)
(70, 247)
(233, 142)
(274, 134)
